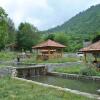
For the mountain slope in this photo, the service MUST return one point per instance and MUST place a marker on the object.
(85, 22)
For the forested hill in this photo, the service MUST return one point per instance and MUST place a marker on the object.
(85, 22)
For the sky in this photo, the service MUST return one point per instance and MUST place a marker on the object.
(44, 14)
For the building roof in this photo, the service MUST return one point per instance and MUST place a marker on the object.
(95, 47)
(49, 43)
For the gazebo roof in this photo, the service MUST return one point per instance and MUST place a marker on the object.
(49, 43)
(95, 47)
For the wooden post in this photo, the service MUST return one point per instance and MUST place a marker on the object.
(61, 52)
(37, 54)
(49, 53)
(33, 72)
(85, 56)
(95, 57)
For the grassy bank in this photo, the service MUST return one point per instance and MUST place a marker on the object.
(81, 68)
(11, 89)
(72, 69)
(7, 56)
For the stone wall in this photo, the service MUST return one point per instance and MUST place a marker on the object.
(74, 76)
(5, 71)
(29, 71)
(51, 66)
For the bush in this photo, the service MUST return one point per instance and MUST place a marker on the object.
(88, 71)
(4, 55)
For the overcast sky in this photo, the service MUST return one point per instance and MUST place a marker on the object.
(44, 14)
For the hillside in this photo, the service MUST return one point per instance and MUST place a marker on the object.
(85, 22)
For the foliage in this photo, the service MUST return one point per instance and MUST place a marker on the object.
(58, 37)
(3, 28)
(71, 68)
(72, 42)
(7, 56)
(83, 23)
(89, 71)
(57, 60)
(61, 38)
(11, 89)
(11, 32)
(7, 30)
(49, 36)
(96, 38)
(81, 69)
(27, 36)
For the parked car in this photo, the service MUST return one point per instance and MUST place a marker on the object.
(80, 55)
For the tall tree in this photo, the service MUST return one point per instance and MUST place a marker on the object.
(48, 36)
(11, 32)
(61, 38)
(27, 36)
(3, 28)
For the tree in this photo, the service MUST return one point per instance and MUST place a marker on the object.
(3, 28)
(97, 38)
(27, 36)
(49, 36)
(61, 38)
(11, 32)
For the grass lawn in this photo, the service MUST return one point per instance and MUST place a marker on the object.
(72, 69)
(78, 69)
(11, 89)
(9, 56)
(6, 56)
(57, 60)
(2, 65)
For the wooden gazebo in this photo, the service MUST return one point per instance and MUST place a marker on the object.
(93, 49)
(49, 49)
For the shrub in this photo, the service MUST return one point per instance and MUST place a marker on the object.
(89, 71)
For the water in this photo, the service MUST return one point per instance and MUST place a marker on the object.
(81, 85)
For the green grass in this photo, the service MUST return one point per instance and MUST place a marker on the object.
(3, 65)
(72, 69)
(11, 89)
(57, 60)
(78, 69)
(6, 56)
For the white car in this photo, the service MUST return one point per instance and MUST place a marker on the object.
(80, 54)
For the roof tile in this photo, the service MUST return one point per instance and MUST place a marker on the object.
(49, 43)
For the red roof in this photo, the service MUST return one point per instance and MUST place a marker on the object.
(93, 47)
(49, 43)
